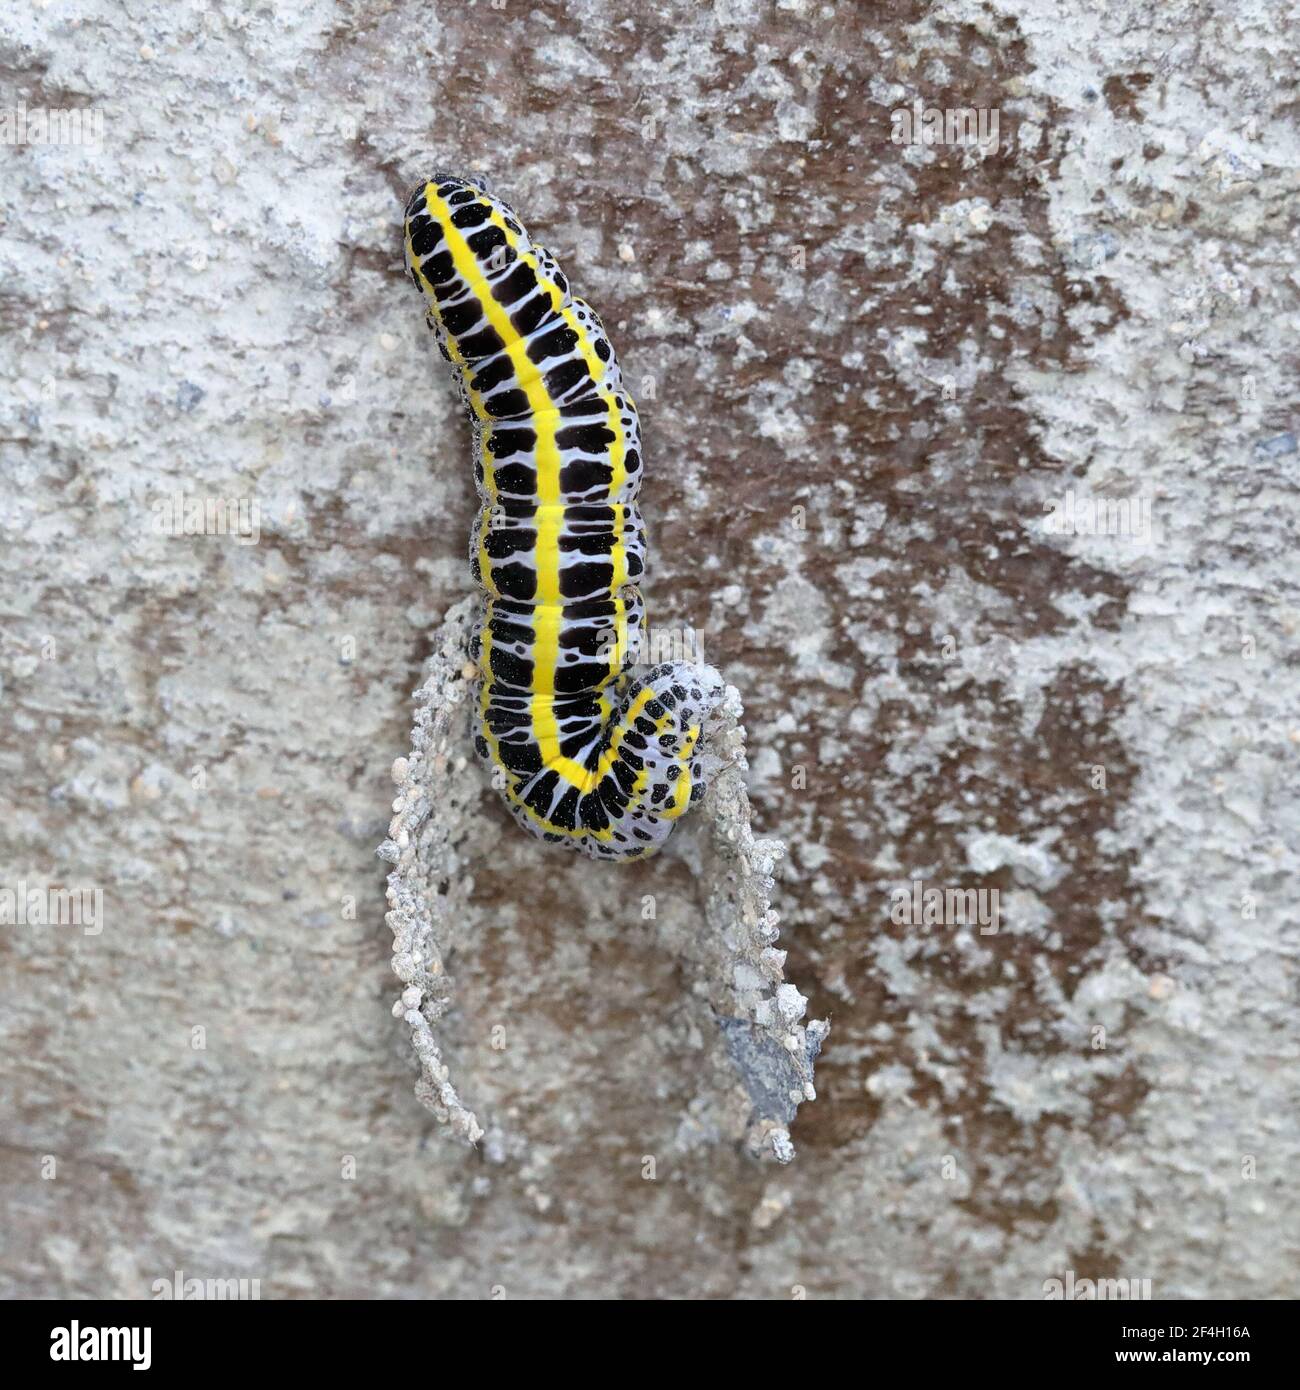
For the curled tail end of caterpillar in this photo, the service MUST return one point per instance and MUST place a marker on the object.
(646, 770)
(660, 722)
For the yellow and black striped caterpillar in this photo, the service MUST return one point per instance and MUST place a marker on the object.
(586, 753)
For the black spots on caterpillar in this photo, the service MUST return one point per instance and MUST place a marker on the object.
(581, 639)
(573, 679)
(503, 541)
(558, 342)
(504, 442)
(507, 404)
(516, 581)
(473, 214)
(459, 318)
(445, 292)
(584, 409)
(492, 373)
(541, 794)
(505, 627)
(561, 380)
(485, 242)
(594, 543)
(520, 758)
(612, 797)
(586, 439)
(510, 669)
(586, 475)
(534, 312)
(517, 479)
(585, 579)
(522, 280)
(439, 268)
(486, 342)
(425, 236)
(565, 814)
(577, 680)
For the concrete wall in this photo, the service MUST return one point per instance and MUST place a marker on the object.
(869, 373)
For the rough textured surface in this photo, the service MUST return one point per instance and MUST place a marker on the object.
(864, 370)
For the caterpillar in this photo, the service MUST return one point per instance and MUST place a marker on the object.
(585, 753)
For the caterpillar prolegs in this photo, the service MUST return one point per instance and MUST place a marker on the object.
(586, 753)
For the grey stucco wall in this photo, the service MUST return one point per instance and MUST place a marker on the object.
(866, 371)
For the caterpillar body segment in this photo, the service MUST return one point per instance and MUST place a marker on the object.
(586, 753)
